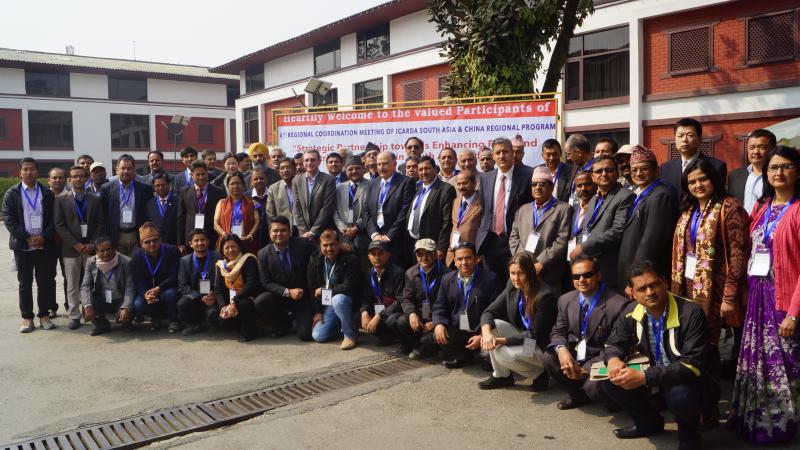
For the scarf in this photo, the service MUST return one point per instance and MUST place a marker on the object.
(703, 283)
(232, 274)
(107, 266)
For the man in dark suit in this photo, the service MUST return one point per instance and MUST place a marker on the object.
(688, 137)
(380, 306)
(462, 298)
(196, 205)
(184, 179)
(79, 220)
(196, 279)
(561, 172)
(314, 198)
(431, 209)
(466, 212)
(283, 266)
(542, 229)
(28, 216)
(388, 202)
(155, 279)
(503, 191)
(651, 220)
(746, 183)
(585, 318)
(162, 209)
(350, 198)
(124, 201)
(605, 220)
(155, 160)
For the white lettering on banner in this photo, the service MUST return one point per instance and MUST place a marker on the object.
(458, 126)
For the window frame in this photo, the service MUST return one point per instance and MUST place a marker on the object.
(125, 79)
(411, 102)
(710, 68)
(371, 33)
(247, 123)
(334, 46)
(333, 106)
(672, 152)
(579, 60)
(248, 78)
(69, 146)
(443, 87)
(3, 129)
(146, 145)
(795, 31)
(209, 128)
(359, 104)
(61, 74)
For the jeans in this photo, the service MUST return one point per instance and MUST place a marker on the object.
(337, 320)
(168, 303)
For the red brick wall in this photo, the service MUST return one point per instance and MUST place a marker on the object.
(430, 76)
(13, 139)
(190, 135)
(728, 49)
(267, 120)
(728, 148)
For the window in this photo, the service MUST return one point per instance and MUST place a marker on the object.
(373, 43)
(254, 78)
(414, 91)
(175, 131)
(691, 50)
(771, 37)
(127, 89)
(50, 129)
(327, 57)
(130, 131)
(369, 92)
(331, 98)
(597, 65)
(232, 93)
(706, 146)
(47, 83)
(250, 116)
(232, 131)
(205, 133)
(3, 132)
(444, 87)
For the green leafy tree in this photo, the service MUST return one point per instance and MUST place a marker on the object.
(497, 47)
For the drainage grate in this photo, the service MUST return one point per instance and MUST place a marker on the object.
(144, 429)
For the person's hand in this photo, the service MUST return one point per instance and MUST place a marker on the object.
(88, 249)
(365, 318)
(346, 248)
(488, 341)
(318, 293)
(413, 322)
(787, 328)
(614, 366)
(440, 333)
(576, 252)
(209, 299)
(727, 310)
(32, 242)
(372, 326)
(232, 310)
(88, 313)
(308, 235)
(382, 237)
(317, 318)
(538, 266)
(125, 315)
(428, 327)
(351, 232)
(569, 367)
(79, 247)
(629, 379)
(296, 293)
(474, 343)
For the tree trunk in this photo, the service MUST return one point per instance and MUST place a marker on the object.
(560, 49)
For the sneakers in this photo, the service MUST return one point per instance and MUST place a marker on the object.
(348, 344)
(27, 326)
(174, 327)
(46, 323)
(74, 324)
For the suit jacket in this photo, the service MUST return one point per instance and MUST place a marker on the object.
(435, 220)
(414, 293)
(187, 208)
(567, 330)
(565, 173)
(68, 223)
(648, 233)
(449, 303)
(167, 225)
(343, 207)
(278, 202)
(396, 207)
(506, 308)
(148, 179)
(607, 229)
(346, 277)
(391, 287)
(14, 217)
(109, 194)
(179, 181)
(672, 171)
(90, 294)
(314, 211)
(737, 181)
(189, 277)
(519, 195)
(551, 250)
(469, 223)
(273, 276)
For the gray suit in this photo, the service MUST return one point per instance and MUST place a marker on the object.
(314, 211)
(278, 202)
(343, 207)
(94, 283)
(68, 224)
(551, 250)
(605, 233)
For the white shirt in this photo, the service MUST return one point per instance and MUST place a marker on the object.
(421, 207)
(28, 211)
(509, 175)
(685, 162)
(753, 189)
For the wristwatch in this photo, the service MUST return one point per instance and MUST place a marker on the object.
(792, 318)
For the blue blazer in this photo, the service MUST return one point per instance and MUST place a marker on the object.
(450, 299)
(168, 225)
(109, 194)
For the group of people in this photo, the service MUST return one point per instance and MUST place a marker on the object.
(599, 270)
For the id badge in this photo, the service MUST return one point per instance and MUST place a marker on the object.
(327, 297)
(426, 310)
(349, 216)
(231, 294)
(584, 237)
(205, 286)
(127, 216)
(237, 230)
(84, 230)
(463, 322)
(529, 348)
(36, 221)
(108, 295)
(691, 266)
(759, 265)
(379, 308)
(580, 349)
(199, 220)
(455, 238)
(530, 244)
(571, 244)
(379, 220)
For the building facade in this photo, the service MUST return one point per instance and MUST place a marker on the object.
(55, 107)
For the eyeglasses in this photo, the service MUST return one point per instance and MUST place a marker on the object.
(604, 170)
(151, 241)
(578, 276)
(778, 167)
(409, 147)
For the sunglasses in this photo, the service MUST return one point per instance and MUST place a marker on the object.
(578, 276)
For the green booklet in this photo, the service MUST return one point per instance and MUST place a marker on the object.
(600, 371)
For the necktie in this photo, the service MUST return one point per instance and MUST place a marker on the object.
(198, 193)
(463, 208)
(163, 203)
(287, 267)
(415, 222)
(352, 194)
(500, 207)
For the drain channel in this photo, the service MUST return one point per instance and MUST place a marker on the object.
(144, 429)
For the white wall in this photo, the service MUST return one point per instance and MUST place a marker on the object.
(12, 81)
(412, 31)
(186, 92)
(88, 85)
(289, 68)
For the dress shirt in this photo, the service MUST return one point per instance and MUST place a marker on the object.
(35, 210)
(753, 188)
(509, 175)
(421, 208)
(685, 162)
(310, 182)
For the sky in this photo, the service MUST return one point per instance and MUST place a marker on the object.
(197, 32)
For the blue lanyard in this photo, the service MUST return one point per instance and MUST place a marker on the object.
(597, 206)
(125, 195)
(642, 196)
(376, 287)
(328, 272)
(657, 327)
(462, 211)
(384, 191)
(577, 225)
(588, 165)
(28, 199)
(697, 218)
(80, 207)
(525, 321)
(558, 171)
(110, 274)
(469, 287)
(592, 304)
(202, 202)
(425, 286)
(158, 264)
(88, 183)
(352, 193)
(162, 210)
(421, 194)
(768, 229)
(539, 212)
(204, 273)
(236, 216)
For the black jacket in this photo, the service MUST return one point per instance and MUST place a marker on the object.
(395, 211)
(189, 277)
(520, 194)
(450, 299)
(249, 274)
(391, 286)
(187, 208)
(346, 277)
(13, 217)
(435, 221)
(737, 182)
(506, 307)
(414, 294)
(166, 274)
(672, 171)
(167, 225)
(109, 194)
(274, 278)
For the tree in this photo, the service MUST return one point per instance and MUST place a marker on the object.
(497, 47)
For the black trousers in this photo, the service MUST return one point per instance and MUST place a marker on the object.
(246, 320)
(577, 390)
(275, 309)
(41, 266)
(496, 255)
(193, 311)
(456, 342)
(386, 328)
(409, 339)
(63, 278)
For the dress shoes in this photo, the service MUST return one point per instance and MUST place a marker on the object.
(635, 433)
(496, 383)
(456, 363)
(571, 403)
(542, 383)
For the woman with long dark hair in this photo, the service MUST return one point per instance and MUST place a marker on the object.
(515, 328)
(236, 285)
(236, 214)
(764, 407)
